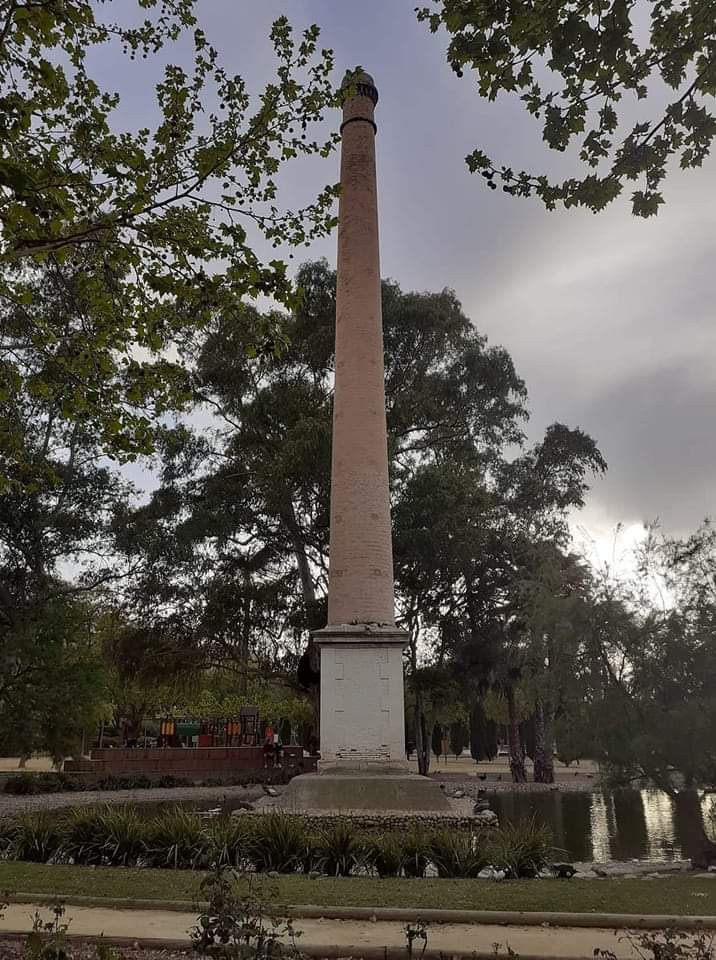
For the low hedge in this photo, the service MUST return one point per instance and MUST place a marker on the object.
(29, 784)
(281, 843)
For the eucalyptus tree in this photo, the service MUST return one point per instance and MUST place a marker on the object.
(552, 606)
(254, 483)
(467, 533)
(249, 488)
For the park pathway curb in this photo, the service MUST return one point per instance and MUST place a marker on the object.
(607, 921)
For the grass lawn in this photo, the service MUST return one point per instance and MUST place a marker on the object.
(681, 895)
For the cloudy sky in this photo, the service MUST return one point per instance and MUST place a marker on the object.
(609, 319)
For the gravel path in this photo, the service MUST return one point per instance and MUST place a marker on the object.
(471, 783)
(211, 796)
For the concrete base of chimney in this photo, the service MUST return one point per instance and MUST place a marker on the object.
(345, 791)
(362, 714)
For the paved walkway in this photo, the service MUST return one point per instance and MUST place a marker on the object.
(203, 796)
(345, 935)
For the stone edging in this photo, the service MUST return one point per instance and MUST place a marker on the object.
(372, 820)
(610, 921)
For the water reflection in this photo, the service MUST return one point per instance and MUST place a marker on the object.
(624, 825)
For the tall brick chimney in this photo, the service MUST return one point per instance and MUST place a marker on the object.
(362, 714)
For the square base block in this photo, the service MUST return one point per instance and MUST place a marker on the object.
(362, 711)
(350, 791)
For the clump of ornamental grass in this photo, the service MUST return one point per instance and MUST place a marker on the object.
(384, 854)
(35, 836)
(457, 854)
(177, 839)
(521, 848)
(228, 839)
(416, 852)
(340, 850)
(277, 842)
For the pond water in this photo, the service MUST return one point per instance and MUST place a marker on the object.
(624, 825)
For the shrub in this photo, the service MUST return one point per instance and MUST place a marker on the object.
(385, 854)
(340, 850)
(82, 838)
(239, 922)
(521, 848)
(21, 785)
(7, 832)
(124, 834)
(279, 842)
(457, 854)
(416, 852)
(228, 842)
(311, 859)
(177, 838)
(169, 780)
(29, 784)
(35, 836)
(139, 781)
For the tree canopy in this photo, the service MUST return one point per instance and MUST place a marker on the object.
(632, 95)
(144, 234)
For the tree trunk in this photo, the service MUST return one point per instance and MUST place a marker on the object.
(424, 755)
(245, 641)
(689, 823)
(517, 763)
(309, 597)
(422, 738)
(543, 760)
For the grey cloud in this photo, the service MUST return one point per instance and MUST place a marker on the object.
(659, 437)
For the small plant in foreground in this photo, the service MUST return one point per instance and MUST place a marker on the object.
(669, 944)
(416, 931)
(48, 940)
(509, 952)
(238, 924)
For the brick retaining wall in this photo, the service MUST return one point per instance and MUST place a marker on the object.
(192, 763)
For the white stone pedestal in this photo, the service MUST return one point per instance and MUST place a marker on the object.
(363, 765)
(362, 713)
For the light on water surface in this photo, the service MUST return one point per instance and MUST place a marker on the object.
(624, 825)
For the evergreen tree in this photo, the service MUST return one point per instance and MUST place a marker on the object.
(458, 738)
(436, 741)
(478, 732)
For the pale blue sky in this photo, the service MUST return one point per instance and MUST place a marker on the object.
(609, 319)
